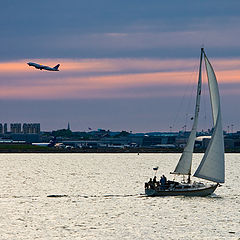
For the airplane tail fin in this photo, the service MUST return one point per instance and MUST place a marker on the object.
(52, 142)
(57, 66)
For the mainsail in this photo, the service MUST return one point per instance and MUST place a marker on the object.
(212, 165)
(185, 162)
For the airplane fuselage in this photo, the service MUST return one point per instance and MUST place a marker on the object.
(41, 67)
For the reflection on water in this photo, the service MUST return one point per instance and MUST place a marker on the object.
(101, 196)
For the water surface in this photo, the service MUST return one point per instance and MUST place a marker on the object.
(101, 196)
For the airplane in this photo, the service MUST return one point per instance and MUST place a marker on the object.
(51, 143)
(41, 67)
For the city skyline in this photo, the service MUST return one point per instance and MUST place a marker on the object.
(28, 127)
(124, 66)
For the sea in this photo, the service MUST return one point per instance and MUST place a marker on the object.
(101, 196)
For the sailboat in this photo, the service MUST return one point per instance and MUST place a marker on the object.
(212, 165)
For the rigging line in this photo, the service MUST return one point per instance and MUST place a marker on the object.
(190, 105)
(186, 90)
(177, 113)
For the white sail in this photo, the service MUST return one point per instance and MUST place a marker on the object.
(212, 165)
(185, 162)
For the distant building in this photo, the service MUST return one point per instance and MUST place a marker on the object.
(5, 128)
(28, 138)
(149, 141)
(29, 128)
(1, 128)
(15, 128)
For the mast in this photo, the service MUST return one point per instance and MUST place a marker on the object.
(185, 162)
(212, 166)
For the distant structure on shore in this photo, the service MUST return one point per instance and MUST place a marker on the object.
(24, 133)
(105, 139)
(26, 128)
(68, 127)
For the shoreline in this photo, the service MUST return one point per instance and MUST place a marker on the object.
(19, 148)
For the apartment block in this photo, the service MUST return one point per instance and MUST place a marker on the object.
(5, 129)
(15, 127)
(31, 128)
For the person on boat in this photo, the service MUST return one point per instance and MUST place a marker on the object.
(151, 184)
(163, 182)
(155, 180)
(165, 179)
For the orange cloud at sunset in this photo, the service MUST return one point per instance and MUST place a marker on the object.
(13, 67)
(99, 65)
(84, 87)
(108, 78)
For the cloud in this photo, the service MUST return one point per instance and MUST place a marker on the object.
(111, 78)
(94, 29)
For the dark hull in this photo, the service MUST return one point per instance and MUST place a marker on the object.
(190, 192)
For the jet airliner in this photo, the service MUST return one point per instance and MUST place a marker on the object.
(51, 143)
(41, 67)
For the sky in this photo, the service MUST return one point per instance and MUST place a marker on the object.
(124, 65)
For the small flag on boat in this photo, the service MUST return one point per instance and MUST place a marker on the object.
(155, 168)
